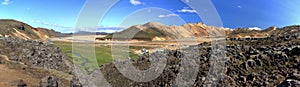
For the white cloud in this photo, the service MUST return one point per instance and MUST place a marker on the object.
(255, 28)
(239, 6)
(135, 2)
(187, 10)
(6, 2)
(168, 15)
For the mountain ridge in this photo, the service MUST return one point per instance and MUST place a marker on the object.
(155, 31)
(151, 31)
(18, 29)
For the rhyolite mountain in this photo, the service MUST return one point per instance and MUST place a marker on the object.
(17, 29)
(154, 31)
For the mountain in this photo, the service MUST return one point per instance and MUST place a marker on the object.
(17, 29)
(155, 31)
(271, 31)
(87, 33)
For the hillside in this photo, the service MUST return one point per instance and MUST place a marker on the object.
(271, 31)
(154, 31)
(17, 29)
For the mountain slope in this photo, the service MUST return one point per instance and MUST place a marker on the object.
(17, 29)
(271, 31)
(154, 31)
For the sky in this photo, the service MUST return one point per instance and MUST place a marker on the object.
(61, 15)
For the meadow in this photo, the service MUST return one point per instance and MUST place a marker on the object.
(102, 52)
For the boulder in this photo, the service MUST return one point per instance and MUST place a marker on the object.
(21, 83)
(289, 83)
(75, 82)
(296, 51)
(51, 81)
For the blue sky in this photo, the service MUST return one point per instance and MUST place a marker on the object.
(61, 15)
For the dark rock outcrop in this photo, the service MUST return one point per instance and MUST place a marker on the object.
(248, 64)
(35, 53)
(21, 83)
(40, 59)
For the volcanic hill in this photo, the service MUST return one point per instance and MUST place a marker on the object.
(154, 31)
(17, 29)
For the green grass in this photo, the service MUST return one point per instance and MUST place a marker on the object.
(102, 53)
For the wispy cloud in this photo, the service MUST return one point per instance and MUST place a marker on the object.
(239, 6)
(135, 2)
(49, 24)
(6, 2)
(187, 10)
(168, 15)
(255, 28)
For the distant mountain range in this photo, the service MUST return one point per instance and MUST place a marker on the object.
(17, 29)
(87, 33)
(158, 32)
(271, 31)
(152, 31)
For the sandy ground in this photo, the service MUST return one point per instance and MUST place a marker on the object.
(82, 38)
(12, 72)
(10, 77)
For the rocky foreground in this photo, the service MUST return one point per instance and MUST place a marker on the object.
(34, 64)
(249, 62)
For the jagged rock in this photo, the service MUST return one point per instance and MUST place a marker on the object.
(250, 64)
(289, 83)
(35, 53)
(51, 81)
(296, 51)
(1, 61)
(21, 83)
(178, 54)
(75, 82)
(258, 61)
(246, 65)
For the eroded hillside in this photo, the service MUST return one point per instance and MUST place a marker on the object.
(17, 29)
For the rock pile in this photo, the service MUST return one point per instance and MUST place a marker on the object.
(34, 53)
(272, 64)
(51, 81)
(39, 59)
